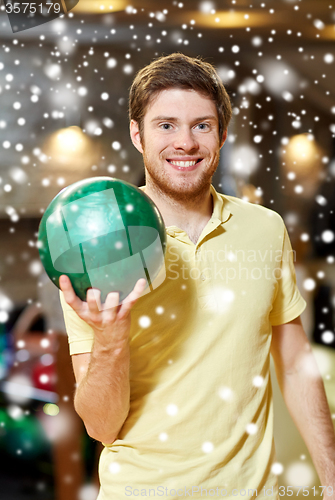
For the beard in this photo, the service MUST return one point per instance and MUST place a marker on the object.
(182, 189)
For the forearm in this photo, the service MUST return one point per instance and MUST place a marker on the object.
(305, 398)
(102, 398)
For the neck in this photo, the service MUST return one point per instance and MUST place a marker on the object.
(184, 213)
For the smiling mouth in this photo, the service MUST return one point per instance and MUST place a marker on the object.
(184, 164)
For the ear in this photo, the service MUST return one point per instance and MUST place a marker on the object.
(135, 136)
(224, 137)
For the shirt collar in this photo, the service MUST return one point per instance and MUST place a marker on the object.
(221, 213)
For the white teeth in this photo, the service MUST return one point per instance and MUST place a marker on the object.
(183, 163)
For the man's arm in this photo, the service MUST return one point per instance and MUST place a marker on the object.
(102, 394)
(303, 391)
(102, 376)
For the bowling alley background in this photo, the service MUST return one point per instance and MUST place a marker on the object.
(63, 117)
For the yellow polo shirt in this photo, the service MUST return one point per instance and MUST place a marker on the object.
(201, 413)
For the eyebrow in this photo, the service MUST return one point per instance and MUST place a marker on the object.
(173, 118)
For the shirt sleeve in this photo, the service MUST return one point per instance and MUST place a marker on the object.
(288, 303)
(80, 334)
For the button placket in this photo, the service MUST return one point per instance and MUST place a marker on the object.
(203, 282)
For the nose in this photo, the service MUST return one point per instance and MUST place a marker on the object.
(185, 140)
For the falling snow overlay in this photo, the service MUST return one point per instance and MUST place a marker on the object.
(64, 117)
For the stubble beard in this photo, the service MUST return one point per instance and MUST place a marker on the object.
(183, 191)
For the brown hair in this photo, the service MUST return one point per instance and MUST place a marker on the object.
(178, 71)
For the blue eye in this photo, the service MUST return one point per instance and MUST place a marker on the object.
(203, 126)
(165, 126)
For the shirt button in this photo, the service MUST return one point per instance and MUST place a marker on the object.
(202, 277)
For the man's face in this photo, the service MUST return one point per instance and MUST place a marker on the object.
(180, 143)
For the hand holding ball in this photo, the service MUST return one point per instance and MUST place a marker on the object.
(102, 233)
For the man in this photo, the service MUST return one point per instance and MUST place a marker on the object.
(183, 401)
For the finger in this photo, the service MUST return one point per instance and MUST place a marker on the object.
(112, 302)
(93, 299)
(134, 295)
(69, 294)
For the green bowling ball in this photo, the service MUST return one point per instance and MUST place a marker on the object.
(25, 437)
(103, 233)
(4, 424)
